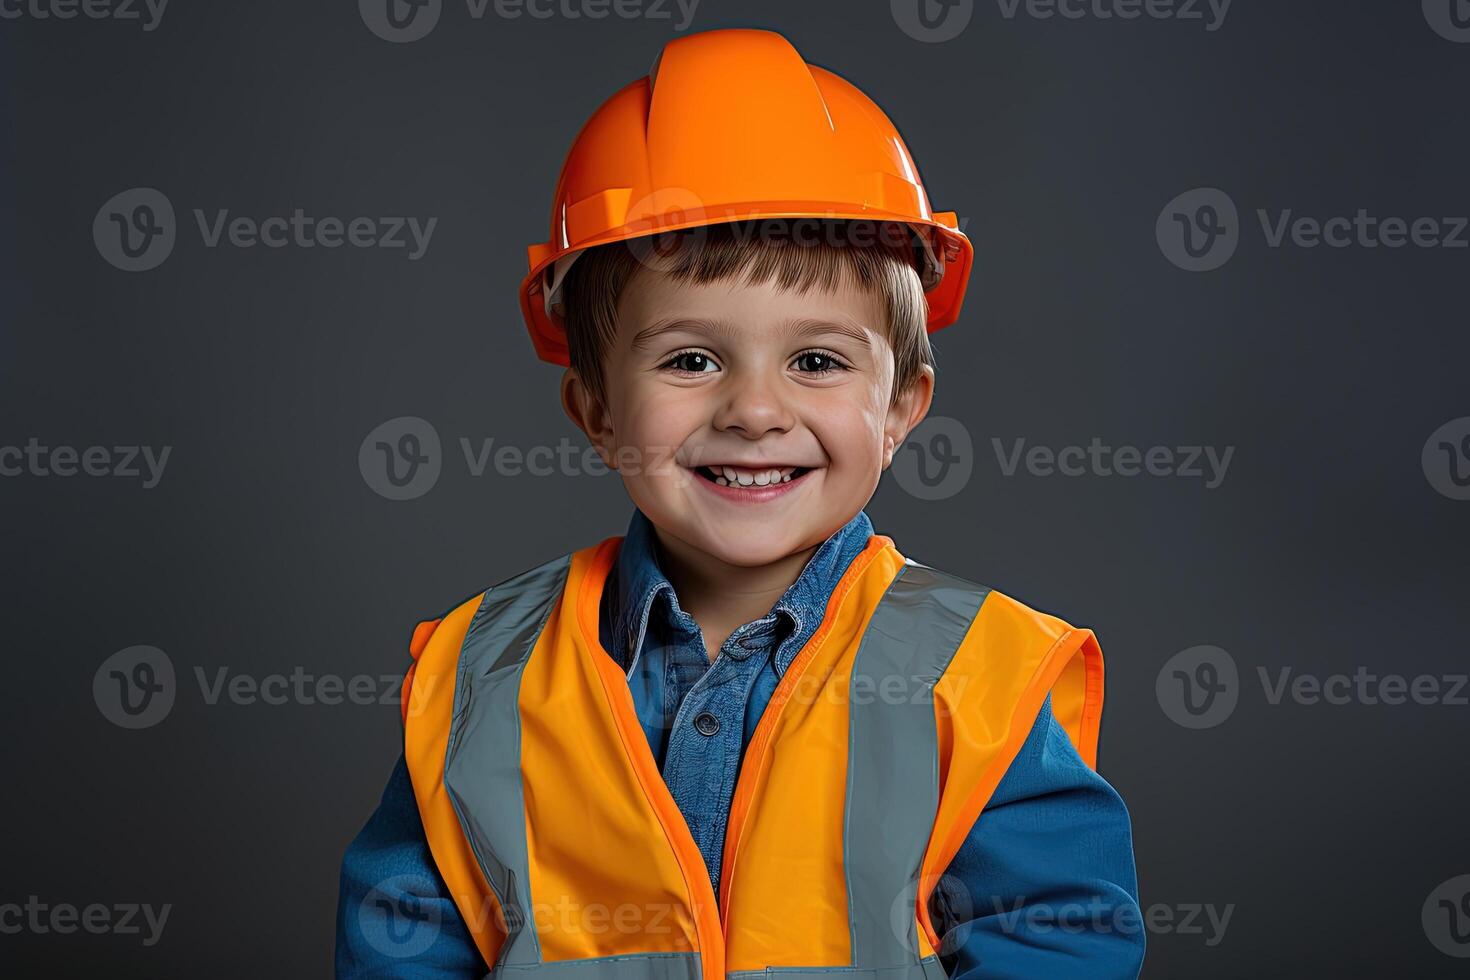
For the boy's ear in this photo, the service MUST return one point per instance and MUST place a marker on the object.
(587, 413)
(907, 411)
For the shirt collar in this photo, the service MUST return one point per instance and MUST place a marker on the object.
(629, 603)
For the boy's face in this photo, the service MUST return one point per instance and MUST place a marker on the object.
(787, 393)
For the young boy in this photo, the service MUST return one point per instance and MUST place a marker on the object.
(750, 735)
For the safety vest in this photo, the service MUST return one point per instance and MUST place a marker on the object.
(563, 848)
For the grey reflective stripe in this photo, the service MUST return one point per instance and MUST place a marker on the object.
(928, 968)
(482, 765)
(893, 758)
(635, 966)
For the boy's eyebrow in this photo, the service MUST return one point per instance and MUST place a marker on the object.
(805, 327)
(664, 325)
(852, 331)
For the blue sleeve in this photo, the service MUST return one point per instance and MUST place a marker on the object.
(395, 918)
(1044, 885)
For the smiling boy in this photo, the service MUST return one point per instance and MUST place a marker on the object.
(750, 735)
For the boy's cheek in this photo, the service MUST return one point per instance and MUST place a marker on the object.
(651, 463)
(660, 464)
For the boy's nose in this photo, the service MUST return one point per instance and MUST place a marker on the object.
(751, 407)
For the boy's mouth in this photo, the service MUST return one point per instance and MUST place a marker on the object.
(743, 477)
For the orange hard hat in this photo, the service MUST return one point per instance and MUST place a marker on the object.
(733, 125)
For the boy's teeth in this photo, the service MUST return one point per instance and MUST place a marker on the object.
(728, 476)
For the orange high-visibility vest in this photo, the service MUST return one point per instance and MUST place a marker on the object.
(566, 855)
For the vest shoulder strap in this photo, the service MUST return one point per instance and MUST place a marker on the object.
(986, 703)
(428, 699)
(1063, 661)
(433, 696)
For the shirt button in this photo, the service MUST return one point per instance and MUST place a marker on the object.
(707, 723)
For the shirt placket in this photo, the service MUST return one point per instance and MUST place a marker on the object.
(703, 754)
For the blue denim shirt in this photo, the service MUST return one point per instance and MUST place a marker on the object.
(1043, 886)
(681, 694)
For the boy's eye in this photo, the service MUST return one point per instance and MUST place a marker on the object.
(817, 362)
(692, 362)
(807, 362)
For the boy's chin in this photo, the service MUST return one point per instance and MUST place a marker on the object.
(748, 547)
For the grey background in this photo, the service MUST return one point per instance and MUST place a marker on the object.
(263, 548)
